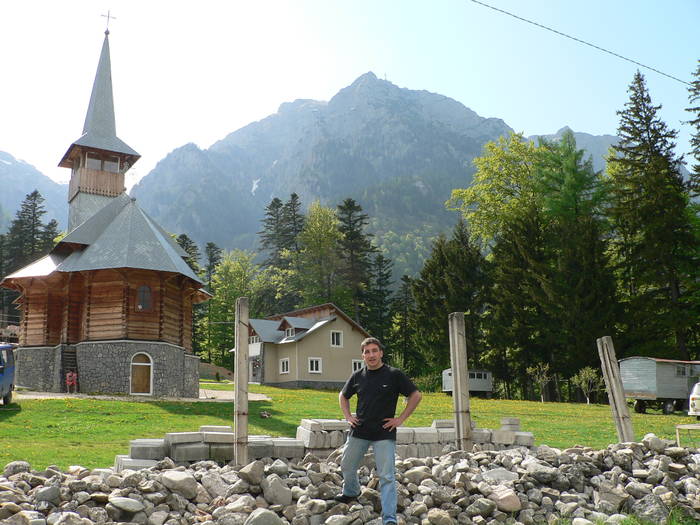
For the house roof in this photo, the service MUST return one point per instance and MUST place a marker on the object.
(325, 307)
(99, 130)
(299, 322)
(268, 331)
(660, 360)
(120, 235)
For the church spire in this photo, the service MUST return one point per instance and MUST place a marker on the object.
(98, 159)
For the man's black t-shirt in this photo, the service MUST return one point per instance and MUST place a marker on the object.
(377, 393)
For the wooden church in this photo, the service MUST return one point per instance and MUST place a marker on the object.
(113, 301)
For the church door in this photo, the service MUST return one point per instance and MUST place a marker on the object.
(141, 368)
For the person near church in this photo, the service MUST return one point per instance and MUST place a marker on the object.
(377, 386)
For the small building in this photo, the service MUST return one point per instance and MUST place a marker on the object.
(314, 347)
(113, 300)
(480, 382)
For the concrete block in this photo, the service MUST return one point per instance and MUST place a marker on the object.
(446, 435)
(216, 428)
(481, 435)
(404, 435)
(148, 449)
(510, 423)
(333, 424)
(218, 437)
(412, 451)
(443, 423)
(124, 462)
(503, 437)
(222, 452)
(425, 435)
(525, 439)
(401, 451)
(174, 438)
(189, 451)
(311, 424)
(337, 438)
(285, 447)
(308, 437)
(260, 448)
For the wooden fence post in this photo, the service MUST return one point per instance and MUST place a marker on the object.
(616, 393)
(460, 384)
(240, 399)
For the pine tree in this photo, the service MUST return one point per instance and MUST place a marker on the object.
(193, 253)
(272, 236)
(293, 223)
(694, 109)
(402, 333)
(48, 236)
(654, 246)
(376, 317)
(355, 251)
(213, 257)
(24, 238)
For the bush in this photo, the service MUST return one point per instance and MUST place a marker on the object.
(429, 383)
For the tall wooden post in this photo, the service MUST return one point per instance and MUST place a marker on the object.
(460, 384)
(616, 394)
(240, 399)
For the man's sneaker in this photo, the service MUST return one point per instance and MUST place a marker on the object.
(342, 498)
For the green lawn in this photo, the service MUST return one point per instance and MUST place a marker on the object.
(90, 432)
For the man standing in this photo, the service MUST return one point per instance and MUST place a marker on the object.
(377, 386)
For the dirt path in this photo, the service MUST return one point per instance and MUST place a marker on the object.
(205, 395)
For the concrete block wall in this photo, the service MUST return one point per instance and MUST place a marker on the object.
(316, 436)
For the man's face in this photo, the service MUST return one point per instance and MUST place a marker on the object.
(372, 356)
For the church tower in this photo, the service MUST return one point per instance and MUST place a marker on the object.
(98, 159)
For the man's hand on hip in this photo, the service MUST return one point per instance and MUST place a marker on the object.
(391, 423)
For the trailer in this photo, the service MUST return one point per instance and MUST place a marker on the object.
(480, 382)
(654, 382)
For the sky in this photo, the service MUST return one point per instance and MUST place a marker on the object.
(188, 71)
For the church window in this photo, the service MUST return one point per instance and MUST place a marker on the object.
(144, 299)
(111, 164)
(93, 161)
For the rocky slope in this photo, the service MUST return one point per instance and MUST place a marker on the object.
(514, 487)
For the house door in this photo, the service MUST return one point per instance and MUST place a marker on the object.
(141, 368)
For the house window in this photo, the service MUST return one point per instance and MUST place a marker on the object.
(681, 371)
(144, 299)
(356, 364)
(315, 365)
(289, 332)
(253, 339)
(472, 375)
(336, 338)
(284, 365)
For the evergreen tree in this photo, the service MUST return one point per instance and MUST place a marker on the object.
(213, 257)
(48, 236)
(453, 279)
(355, 251)
(655, 247)
(272, 236)
(401, 338)
(293, 224)
(376, 317)
(694, 109)
(25, 242)
(193, 253)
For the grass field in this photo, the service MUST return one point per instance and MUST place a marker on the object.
(90, 432)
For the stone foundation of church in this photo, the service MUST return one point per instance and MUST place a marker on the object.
(104, 367)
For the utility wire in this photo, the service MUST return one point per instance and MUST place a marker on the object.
(581, 41)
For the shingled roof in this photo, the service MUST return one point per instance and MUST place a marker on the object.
(120, 235)
(99, 130)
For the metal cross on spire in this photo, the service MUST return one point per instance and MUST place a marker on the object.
(109, 17)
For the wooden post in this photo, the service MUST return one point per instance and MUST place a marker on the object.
(460, 384)
(616, 394)
(240, 399)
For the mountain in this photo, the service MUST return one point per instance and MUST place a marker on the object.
(18, 179)
(596, 146)
(398, 152)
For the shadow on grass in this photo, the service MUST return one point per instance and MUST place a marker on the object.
(6, 412)
(274, 425)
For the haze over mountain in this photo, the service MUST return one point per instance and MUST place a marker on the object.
(398, 152)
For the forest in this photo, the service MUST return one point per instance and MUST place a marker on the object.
(548, 256)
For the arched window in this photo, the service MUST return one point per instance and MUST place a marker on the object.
(144, 299)
(141, 374)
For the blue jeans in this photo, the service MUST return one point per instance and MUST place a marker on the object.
(384, 457)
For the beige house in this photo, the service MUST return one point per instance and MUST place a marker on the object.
(315, 347)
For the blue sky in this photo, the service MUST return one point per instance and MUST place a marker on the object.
(193, 72)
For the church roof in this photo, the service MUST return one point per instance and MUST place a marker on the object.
(120, 235)
(99, 130)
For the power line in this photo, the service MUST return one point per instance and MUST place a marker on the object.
(581, 41)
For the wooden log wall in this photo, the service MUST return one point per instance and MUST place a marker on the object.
(143, 324)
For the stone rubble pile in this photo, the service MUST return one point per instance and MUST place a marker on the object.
(517, 486)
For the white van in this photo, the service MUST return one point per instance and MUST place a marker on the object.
(694, 401)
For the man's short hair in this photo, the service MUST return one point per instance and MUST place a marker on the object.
(371, 340)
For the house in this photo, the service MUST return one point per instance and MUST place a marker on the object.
(113, 300)
(314, 347)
